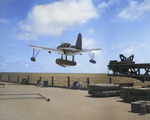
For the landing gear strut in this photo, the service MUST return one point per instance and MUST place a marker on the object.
(73, 58)
(66, 57)
(35, 53)
(92, 55)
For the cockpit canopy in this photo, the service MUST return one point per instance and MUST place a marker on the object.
(65, 45)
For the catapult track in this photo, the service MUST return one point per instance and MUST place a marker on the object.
(136, 66)
(127, 68)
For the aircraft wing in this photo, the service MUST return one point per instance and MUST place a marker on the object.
(91, 50)
(46, 48)
(71, 49)
(83, 50)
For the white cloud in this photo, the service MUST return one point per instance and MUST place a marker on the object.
(119, 45)
(22, 63)
(128, 51)
(4, 64)
(102, 6)
(130, 48)
(91, 31)
(52, 19)
(135, 11)
(88, 42)
(26, 65)
(2, 20)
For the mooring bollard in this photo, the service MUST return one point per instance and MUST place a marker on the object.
(0, 77)
(28, 80)
(110, 80)
(52, 81)
(8, 78)
(68, 81)
(88, 81)
(18, 78)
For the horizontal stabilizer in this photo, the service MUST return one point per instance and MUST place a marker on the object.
(91, 50)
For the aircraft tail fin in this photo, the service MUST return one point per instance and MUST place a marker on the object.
(79, 42)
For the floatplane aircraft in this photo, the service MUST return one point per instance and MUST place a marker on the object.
(67, 50)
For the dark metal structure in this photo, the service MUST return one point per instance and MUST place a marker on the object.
(127, 68)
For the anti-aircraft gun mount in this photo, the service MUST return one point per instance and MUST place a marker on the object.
(127, 68)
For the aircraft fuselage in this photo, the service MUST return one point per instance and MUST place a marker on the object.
(70, 52)
(68, 49)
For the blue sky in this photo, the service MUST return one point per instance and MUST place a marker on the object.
(115, 26)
